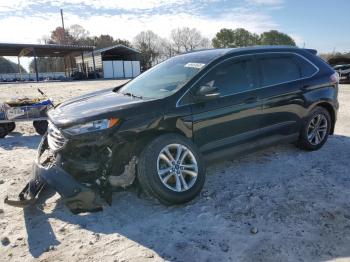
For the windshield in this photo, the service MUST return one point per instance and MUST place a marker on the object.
(167, 77)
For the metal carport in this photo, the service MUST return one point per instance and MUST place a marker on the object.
(37, 50)
(120, 56)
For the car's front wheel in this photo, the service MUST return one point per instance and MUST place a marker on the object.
(171, 169)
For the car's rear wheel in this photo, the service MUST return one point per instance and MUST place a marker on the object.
(171, 169)
(40, 126)
(316, 129)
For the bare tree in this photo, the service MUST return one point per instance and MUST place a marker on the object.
(61, 36)
(186, 39)
(167, 49)
(150, 45)
(176, 38)
(78, 32)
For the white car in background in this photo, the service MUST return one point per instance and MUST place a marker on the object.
(344, 72)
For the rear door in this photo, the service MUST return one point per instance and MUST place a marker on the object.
(233, 118)
(280, 91)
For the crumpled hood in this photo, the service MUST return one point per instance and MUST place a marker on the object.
(94, 106)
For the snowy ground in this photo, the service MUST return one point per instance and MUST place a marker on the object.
(298, 202)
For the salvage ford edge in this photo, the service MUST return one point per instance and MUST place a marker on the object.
(160, 127)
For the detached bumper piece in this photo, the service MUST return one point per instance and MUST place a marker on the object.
(78, 198)
(28, 196)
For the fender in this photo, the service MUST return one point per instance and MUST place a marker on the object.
(326, 97)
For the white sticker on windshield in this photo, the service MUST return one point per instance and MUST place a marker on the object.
(195, 65)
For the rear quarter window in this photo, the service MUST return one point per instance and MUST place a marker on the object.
(306, 68)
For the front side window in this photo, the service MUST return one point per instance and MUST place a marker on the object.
(231, 77)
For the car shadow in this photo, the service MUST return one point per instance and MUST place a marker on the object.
(217, 222)
(15, 140)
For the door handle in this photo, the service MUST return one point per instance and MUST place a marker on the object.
(250, 100)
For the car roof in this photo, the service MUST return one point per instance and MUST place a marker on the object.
(223, 51)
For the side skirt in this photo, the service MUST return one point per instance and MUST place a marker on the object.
(249, 147)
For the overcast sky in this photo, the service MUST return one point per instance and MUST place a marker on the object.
(320, 24)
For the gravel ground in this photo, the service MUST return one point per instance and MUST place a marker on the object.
(278, 204)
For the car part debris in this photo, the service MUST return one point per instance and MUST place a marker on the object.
(83, 201)
(79, 197)
(28, 196)
(127, 177)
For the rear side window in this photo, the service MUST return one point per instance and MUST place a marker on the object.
(277, 69)
(306, 68)
(281, 68)
(231, 77)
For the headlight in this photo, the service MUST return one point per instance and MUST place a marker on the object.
(92, 126)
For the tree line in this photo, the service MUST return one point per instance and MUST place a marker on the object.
(155, 48)
(9, 67)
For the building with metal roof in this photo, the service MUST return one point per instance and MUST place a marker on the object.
(49, 50)
(116, 61)
(38, 50)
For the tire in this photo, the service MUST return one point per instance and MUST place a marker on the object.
(40, 126)
(151, 164)
(309, 140)
(3, 130)
(10, 127)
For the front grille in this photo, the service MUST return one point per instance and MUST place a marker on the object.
(55, 138)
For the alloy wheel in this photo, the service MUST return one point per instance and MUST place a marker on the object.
(177, 167)
(317, 129)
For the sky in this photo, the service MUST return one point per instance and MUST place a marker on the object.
(320, 24)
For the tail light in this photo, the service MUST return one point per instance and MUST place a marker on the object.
(334, 78)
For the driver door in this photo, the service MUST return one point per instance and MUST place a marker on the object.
(233, 117)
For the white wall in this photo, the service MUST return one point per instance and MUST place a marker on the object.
(136, 68)
(128, 69)
(118, 69)
(121, 69)
(108, 69)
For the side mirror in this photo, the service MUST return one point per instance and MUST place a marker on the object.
(207, 92)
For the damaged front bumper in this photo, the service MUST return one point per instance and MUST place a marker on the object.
(48, 171)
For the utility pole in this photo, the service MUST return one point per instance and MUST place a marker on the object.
(62, 20)
(64, 42)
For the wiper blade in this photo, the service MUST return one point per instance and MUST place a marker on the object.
(132, 95)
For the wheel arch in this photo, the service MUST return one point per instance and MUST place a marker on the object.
(332, 112)
(147, 136)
